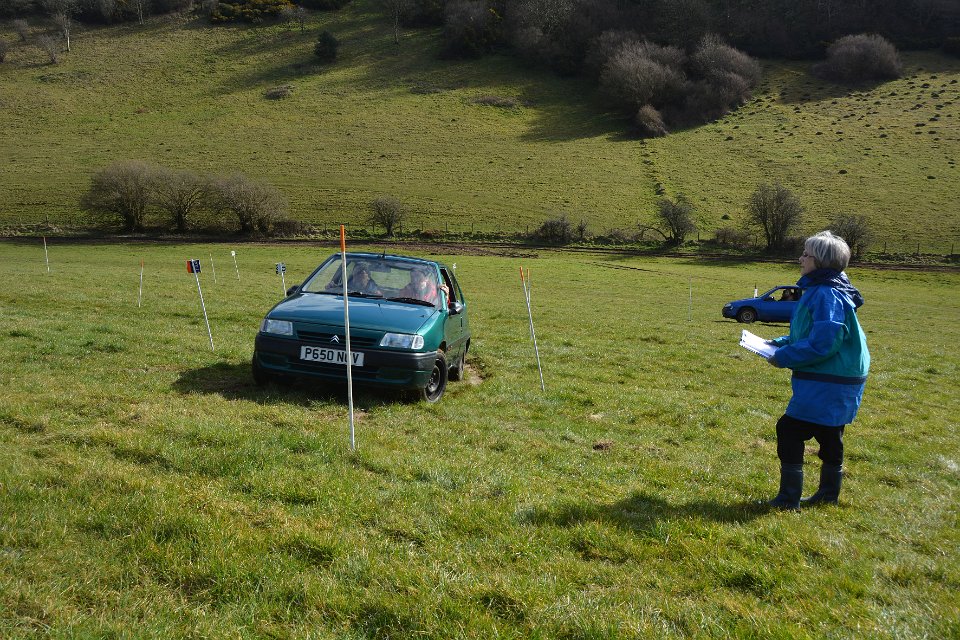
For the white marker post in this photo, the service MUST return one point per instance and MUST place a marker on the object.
(533, 333)
(140, 294)
(690, 308)
(46, 256)
(234, 254)
(754, 291)
(346, 326)
(193, 266)
(282, 269)
(214, 269)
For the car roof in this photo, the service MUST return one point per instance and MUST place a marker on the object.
(392, 256)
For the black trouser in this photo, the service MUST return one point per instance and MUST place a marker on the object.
(792, 433)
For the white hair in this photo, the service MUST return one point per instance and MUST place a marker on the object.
(829, 251)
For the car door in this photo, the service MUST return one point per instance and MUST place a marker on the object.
(456, 328)
(773, 309)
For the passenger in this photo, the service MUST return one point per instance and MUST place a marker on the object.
(361, 281)
(421, 287)
(788, 295)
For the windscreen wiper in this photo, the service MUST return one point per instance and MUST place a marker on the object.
(412, 300)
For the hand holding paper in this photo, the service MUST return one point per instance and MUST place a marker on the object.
(757, 345)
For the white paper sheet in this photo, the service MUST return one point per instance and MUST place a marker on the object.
(756, 344)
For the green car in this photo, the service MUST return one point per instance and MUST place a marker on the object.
(408, 326)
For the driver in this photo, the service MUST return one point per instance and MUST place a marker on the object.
(421, 287)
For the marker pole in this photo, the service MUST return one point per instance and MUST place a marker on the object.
(234, 254)
(194, 267)
(533, 333)
(346, 325)
(690, 308)
(46, 256)
(754, 291)
(214, 269)
(140, 294)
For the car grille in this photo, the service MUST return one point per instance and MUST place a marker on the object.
(324, 338)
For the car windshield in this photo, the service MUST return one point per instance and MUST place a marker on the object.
(378, 277)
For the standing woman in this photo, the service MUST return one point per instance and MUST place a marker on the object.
(827, 351)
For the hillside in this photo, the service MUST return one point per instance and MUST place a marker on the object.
(396, 120)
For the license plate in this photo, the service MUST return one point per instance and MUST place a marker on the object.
(333, 356)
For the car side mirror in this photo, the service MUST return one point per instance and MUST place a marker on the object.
(292, 290)
(455, 307)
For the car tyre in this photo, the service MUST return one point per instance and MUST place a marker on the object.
(456, 371)
(746, 315)
(437, 384)
(260, 377)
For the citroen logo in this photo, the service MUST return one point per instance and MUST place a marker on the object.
(335, 339)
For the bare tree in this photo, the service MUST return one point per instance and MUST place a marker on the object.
(256, 206)
(386, 212)
(677, 217)
(21, 28)
(62, 11)
(300, 15)
(180, 194)
(395, 10)
(49, 46)
(121, 190)
(776, 211)
(856, 231)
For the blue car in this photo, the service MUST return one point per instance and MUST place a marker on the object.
(408, 326)
(776, 305)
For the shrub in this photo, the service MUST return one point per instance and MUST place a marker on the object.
(860, 58)
(248, 10)
(327, 47)
(324, 5)
(180, 194)
(650, 123)
(677, 217)
(257, 207)
(49, 45)
(641, 73)
(951, 46)
(386, 212)
(4, 49)
(604, 47)
(468, 29)
(555, 231)
(731, 237)
(21, 28)
(121, 190)
(279, 93)
(857, 232)
(776, 211)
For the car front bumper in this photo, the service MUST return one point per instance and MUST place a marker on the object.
(382, 368)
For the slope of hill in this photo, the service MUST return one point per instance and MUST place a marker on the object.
(396, 120)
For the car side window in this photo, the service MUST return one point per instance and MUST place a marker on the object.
(447, 280)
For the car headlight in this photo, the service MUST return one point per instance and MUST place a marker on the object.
(279, 327)
(401, 341)
(728, 306)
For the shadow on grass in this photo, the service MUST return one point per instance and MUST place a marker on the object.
(641, 511)
(235, 382)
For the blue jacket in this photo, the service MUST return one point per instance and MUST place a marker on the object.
(826, 350)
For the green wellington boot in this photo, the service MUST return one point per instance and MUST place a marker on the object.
(830, 477)
(791, 487)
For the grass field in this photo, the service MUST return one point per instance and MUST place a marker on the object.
(395, 120)
(149, 489)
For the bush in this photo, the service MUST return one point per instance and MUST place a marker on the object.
(49, 45)
(386, 212)
(468, 29)
(121, 190)
(257, 207)
(642, 73)
(279, 93)
(4, 49)
(22, 29)
(731, 237)
(677, 217)
(860, 58)
(857, 232)
(650, 123)
(951, 46)
(327, 47)
(604, 47)
(776, 211)
(180, 194)
(248, 10)
(324, 5)
(555, 231)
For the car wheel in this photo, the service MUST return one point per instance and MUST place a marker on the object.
(746, 315)
(438, 380)
(456, 371)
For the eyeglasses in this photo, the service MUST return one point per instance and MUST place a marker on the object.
(805, 255)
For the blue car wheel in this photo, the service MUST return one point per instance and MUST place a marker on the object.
(746, 315)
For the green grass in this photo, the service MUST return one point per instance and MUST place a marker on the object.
(149, 489)
(389, 120)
